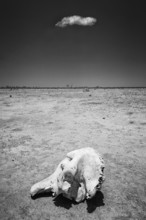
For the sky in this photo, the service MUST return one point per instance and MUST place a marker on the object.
(72, 42)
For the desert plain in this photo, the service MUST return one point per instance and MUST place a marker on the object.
(39, 126)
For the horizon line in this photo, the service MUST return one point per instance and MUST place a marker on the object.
(69, 87)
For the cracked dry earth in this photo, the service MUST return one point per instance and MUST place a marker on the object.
(38, 128)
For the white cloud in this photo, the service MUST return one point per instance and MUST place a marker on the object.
(78, 20)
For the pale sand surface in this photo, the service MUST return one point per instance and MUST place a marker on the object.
(38, 128)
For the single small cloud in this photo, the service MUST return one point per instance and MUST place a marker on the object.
(78, 20)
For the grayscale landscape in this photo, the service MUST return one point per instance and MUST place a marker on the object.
(39, 126)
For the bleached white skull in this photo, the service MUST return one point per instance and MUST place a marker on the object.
(79, 176)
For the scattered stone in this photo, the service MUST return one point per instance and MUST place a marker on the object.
(131, 122)
(130, 113)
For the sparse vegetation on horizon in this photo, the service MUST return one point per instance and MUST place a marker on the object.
(71, 87)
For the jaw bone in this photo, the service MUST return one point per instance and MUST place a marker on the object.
(50, 184)
(46, 185)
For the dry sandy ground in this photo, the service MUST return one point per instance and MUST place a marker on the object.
(38, 128)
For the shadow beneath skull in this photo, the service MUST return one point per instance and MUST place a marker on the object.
(61, 201)
(42, 194)
(96, 201)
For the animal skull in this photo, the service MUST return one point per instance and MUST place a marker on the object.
(79, 176)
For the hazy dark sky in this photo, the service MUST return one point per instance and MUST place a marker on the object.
(34, 52)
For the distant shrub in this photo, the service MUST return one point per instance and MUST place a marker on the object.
(86, 90)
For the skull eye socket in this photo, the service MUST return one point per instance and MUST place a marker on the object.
(100, 179)
(102, 169)
(97, 186)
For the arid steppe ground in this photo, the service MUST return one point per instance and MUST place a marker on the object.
(38, 128)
